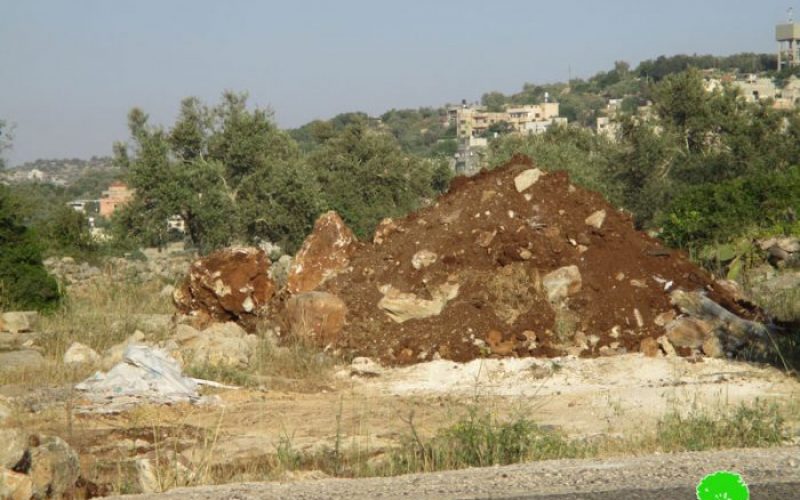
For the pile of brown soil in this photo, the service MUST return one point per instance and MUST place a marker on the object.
(498, 244)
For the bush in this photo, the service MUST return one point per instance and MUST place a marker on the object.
(24, 282)
(764, 202)
(480, 440)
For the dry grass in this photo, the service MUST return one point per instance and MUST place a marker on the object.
(100, 316)
(480, 439)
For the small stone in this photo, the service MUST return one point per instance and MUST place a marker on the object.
(615, 332)
(596, 219)
(664, 318)
(619, 276)
(649, 347)
(562, 283)
(79, 354)
(365, 367)
(423, 259)
(688, 332)
(665, 344)
(527, 179)
(638, 316)
(525, 254)
(485, 238)
(712, 347)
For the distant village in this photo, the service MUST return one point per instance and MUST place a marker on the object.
(474, 122)
(475, 126)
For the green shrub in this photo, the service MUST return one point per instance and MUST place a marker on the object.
(764, 202)
(746, 426)
(480, 440)
(24, 282)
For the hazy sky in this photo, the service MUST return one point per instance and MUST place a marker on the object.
(71, 69)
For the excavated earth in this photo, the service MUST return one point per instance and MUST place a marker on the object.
(497, 244)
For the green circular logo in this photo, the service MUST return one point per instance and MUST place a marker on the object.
(723, 485)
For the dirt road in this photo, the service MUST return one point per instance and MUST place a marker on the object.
(772, 472)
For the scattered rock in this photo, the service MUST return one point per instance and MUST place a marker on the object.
(527, 179)
(13, 443)
(664, 318)
(712, 347)
(649, 347)
(15, 486)
(153, 323)
(325, 253)
(19, 321)
(665, 344)
(54, 467)
(402, 306)
(78, 354)
(146, 476)
(365, 367)
(562, 283)
(167, 292)
(229, 285)
(688, 332)
(638, 317)
(494, 339)
(28, 359)
(316, 316)
(114, 354)
(596, 219)
(485, 238)
(221, 344)
(385, 228)
(422, 259)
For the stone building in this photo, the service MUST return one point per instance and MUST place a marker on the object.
(117, 195)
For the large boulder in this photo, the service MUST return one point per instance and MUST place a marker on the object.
(19, 321)
(325, 253)
(54, 467)
(221, 344)
(710, 317)
(316, 316)
(229, 285)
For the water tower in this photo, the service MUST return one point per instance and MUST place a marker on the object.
(788, 37)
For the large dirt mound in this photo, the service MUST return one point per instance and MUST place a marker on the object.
(492, 269)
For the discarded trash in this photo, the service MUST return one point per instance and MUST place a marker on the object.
(145, 375)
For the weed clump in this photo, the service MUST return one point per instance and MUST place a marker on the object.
(746, 426)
